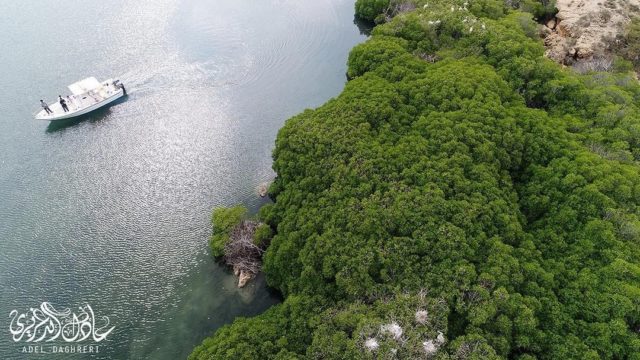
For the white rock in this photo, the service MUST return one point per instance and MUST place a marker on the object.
(244, 278)
(263, 189)
(551, 24)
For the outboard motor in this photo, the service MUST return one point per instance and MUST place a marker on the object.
(119, 85)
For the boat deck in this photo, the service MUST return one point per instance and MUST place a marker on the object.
(78, 103)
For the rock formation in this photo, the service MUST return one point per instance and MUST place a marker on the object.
(583, 29)
(244, 277)
(263, 189)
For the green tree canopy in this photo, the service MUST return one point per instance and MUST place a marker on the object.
(462, 174)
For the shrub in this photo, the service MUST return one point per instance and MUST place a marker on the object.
(369, 9)
(223, 221)
(262, 235)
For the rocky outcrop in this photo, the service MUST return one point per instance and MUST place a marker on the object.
(263, 189)
(244, 276)
(583, 29)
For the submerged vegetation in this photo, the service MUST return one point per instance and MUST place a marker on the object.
(463, 198)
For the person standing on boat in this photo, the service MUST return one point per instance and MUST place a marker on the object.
(71, 101)
(45, 107)
(63, 103)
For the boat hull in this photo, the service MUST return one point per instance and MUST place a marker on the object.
(58, 114)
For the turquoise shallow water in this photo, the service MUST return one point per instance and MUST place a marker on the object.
(113, 210)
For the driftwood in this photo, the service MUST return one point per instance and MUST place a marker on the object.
(241, 253)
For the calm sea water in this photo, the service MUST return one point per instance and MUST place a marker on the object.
(113, 210)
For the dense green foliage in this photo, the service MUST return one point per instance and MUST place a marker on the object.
(223, 221)
(461, 176)
(540, 9)
(369, 9)
(262, 236)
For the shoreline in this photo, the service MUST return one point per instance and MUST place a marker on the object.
(417, 212)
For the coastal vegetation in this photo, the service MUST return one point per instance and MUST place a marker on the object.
(463, 198)
(239, 241)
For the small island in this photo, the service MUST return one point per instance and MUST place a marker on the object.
(239, 241)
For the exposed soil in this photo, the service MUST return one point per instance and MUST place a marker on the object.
(583, 29)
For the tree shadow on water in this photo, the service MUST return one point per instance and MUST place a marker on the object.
(365, 27)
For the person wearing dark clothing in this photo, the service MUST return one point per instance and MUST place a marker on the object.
(45, 107)
(63, 103)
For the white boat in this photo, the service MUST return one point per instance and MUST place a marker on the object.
(87, 95)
